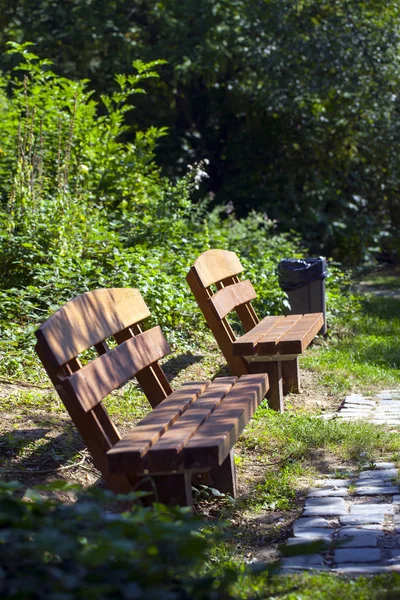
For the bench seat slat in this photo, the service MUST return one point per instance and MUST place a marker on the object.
(231, 296)
(125, 456)
(296, 340)
(93, 382)
(212, 443)
(246, 344)
(166, 452)
(269, 343)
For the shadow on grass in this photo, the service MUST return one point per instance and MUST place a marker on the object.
(30, 456)
(173, 366)
(381, 307)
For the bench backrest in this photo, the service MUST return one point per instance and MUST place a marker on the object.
(90, 321)
(221, 268)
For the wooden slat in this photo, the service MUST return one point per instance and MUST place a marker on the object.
(166, 453)
(245, 312)
(247, 343)
(125, 456)
(269, 342)
(210, 446)
(228, 298)
(152, 379)
(107, 372)
(296, 340)
(89, 319)
(216, 265)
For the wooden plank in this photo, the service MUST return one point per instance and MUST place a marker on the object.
(166, 453)
(126, 455)
(298, 337)
(291, 376)
(247, 343)
(93, 382)
(245, 312)
(269, 342)
(89, 319)
(228, 298)
(216, 265)
(210, 446)
(151, 379)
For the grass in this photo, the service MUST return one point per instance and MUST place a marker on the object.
(319, 586)
(367, 355)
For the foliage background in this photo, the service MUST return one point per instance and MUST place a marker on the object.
(295, 104)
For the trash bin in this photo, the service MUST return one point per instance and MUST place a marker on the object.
(304, 282)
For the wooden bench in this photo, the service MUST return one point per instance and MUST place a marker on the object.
(271, 346)
(190, 431)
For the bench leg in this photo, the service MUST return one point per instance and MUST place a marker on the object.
(224, 477)
(168, 489)
(275, 392)
(291, 376)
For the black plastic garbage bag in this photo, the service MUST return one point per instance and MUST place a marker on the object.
(295, 273)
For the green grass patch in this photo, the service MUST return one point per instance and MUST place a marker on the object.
(368, 355)
(386, 281)
(318, 586)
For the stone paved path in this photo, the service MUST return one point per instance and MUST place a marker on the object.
(352, 525)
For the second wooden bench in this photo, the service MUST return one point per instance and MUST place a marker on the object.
(271, 345)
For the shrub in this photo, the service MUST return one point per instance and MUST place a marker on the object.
(52, 550)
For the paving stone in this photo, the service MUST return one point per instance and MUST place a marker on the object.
(375, 481)
(379, 474)
(325, 502)
(371, 509)
(388, 394)
(302, 561)
(358, 538)
(351, 413)
(359, 402)
(327, 492)
(374, 489)
(357, 555)
(325, 511)
(304, 524)
(362, 519)
(312, 535)
(334, 483)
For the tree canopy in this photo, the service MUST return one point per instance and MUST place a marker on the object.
(295, 104)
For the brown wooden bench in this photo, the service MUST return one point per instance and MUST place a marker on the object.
(191, 430)
(271, 346)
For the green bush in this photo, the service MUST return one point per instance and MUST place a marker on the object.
(82, 208)
(51, 550)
